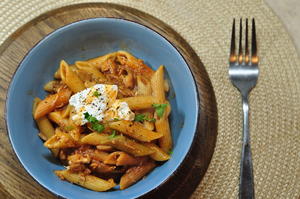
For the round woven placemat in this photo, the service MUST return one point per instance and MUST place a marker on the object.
(275, 107)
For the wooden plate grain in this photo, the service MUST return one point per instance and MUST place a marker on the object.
(16, 183)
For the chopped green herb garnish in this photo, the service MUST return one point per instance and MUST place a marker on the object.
(97, 127)
(116, 119)
(170, 152)
(160, 109)
(96, 94)
(90, 118)
(151, 119)
(69, 128)
(139, 117)
(95, 123)
(142, 118)
(113, 135)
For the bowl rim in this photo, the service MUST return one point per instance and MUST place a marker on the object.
(9, 89)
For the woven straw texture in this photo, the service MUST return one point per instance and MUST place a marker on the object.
(274, 103)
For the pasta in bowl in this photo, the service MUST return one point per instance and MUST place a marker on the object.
(106, 119)
(149, 102)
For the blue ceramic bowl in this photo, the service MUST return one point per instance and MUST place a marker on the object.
(83, 40)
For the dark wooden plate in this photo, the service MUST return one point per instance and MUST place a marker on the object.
(184, 181)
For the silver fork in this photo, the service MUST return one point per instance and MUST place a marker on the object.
(243, 73)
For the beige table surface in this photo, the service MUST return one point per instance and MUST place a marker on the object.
(289, 12)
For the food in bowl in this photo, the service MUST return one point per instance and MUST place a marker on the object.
(106, 120)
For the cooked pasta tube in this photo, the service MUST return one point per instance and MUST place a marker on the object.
(57, 118)
(60, 140)
(134, 174)
(105, 148)
(70, 78)
(108, 146)
(159, 154)
(98, 61)
(52, 86)
(65, 113)
(66, 124)
(143, 86)
(45, 127)
(92, 70)
(134, 64)
(162, 126)
(135, 130)
(120, 158)
(102, 168)
(88, 181)
(100, 155)
(52, 102)
(162, 123)
(119, 142)
(139, 102)
(157, 84)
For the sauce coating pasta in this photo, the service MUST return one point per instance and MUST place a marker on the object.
(106, 120)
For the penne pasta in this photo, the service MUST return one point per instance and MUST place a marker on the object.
(66, 124)
(100, 155)
(162, 123)
(159, 154)
(52, 86)
(70, 78)
(135, 130)
(119, 142)
(57, 118)
(139, 102)
(65, 113)
(98, 61)
(52, 102)
(45, 127)
(60, 140)
(105, 148)
(135, 173)
(143, 86)
(134, 64)
(157, 84)
(106, 118)
(90, 69)
(57, 74)
(120, 158)
(91, 182)
(166, 85)
(102, 168)
(162, 126)
(148, 125)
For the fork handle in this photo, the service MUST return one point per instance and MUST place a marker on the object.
(246, 190)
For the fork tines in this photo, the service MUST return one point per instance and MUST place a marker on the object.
(243, 58)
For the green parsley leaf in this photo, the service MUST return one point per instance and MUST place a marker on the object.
(139, 117)
(170, 152)
(160, 109)
(90, 118)
(97, 127)
(95, 123)
(96, 94)
(113, 135)
(143, 117)
(86, 115)
(116, 119)
(151, 119)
